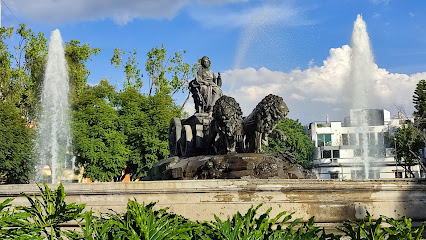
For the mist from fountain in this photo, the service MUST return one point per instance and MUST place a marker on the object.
(362, 86)
(53, 144)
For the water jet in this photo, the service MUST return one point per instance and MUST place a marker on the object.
(53, 144)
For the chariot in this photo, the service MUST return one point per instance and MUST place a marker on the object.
(190, 136)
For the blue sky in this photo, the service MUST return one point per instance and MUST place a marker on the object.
(296, 49)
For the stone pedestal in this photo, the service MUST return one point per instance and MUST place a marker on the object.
(229, 166)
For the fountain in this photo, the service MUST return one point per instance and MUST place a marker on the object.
(363, 89)
(53, 144)
(330, 201)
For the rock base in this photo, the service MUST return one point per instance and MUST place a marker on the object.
(229, 166)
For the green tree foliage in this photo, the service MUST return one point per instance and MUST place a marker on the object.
(419, 100)
(145, 117)
(411, 138)
(297, 142)
(133, 73)
(22, 68)
(99, 142)
(16, 155)
(77, 55)
(166, 74)
(408, 143)
(145, 121)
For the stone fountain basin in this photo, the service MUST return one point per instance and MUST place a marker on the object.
(330, 201)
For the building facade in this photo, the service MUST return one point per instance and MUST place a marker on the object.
(358, 148)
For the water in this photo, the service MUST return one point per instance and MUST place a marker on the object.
(363, 85)
(53, 145)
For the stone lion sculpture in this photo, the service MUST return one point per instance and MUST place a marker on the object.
(262, 121)
(227, 126)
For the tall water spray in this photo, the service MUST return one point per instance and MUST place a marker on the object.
(362, 86)
(53, 136)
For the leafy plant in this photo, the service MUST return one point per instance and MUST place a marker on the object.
(247, 226)
(143, 222)
(92, 228)
(13, 227)
(305, 231)
(403, 229)
(367, 228)
(51, 211)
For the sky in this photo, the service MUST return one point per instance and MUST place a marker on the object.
(297, 49)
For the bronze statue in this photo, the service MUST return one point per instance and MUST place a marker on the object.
(205, 88)
(218, 126)
(263, 121)
(226, 130)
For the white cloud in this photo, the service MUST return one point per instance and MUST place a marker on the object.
(283, 14)
(411, 14)
(313, 93)
(377, 15)
(385, 2)
(297, 96)
(218, 2)
(122, 12)
(189, 107)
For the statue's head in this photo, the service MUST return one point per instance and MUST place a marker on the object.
(205, 62)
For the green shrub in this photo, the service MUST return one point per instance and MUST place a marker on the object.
(51, 211)
(369, 229)
(248, 227)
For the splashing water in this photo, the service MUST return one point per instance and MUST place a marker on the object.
(362, 85)
(53, 135)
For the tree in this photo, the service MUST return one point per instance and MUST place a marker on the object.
(166, 75)
(77, 55)
(99, 142)
(408, 142)
(419, 100)
(297, 142)
(133, 73)
(145, 117)
(16, 155)
(145, 121)
(22, 71)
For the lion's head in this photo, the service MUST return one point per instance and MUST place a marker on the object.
(273, 109)
(228, 116)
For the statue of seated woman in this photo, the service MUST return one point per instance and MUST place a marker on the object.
(205, 88)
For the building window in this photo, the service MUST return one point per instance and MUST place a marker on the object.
(361, 138)
(358, 174)
(398, 174)
(324, 140)
(352, 139)
(326, 153)
(387, 140)
(374, 174)
(372, 138)
(336, 154)
(380, 139)
(334, 175)
(358, 152)
(372, 151)
(345, 139)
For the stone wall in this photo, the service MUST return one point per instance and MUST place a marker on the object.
(329, 201)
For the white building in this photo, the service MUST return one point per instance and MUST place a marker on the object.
(340, 154)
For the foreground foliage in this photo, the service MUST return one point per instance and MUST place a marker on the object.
(43, 219)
